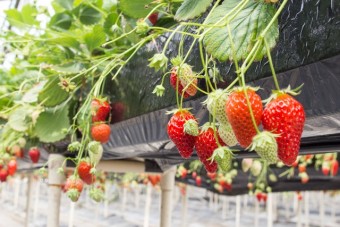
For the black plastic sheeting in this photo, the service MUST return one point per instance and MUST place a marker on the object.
(309, 32)
(146, 136)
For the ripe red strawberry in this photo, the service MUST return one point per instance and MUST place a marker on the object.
(205, 146)
(325, 168)
(74, 186)
(182, 172)
(259, 196)
(299, 196)
(212, 175)
(17, 151)
(194, 174)
(153, 18)
(198, 181)
(12, 167)
(84, 168)
(154, 179)
(34, 154)
(173, 83)
(100, 110)
(264, 197)
(334, 167)
(101, 132)
(3, 175)
(304, 177)
(117, 112)
(183, 141)
(285, 116)
(302, 168)
(239, 115)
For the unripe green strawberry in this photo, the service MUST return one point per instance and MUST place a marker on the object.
(95, 151)
(227, 135)
(265, 146)
(216, 105)
(223, 156)
(256, 168)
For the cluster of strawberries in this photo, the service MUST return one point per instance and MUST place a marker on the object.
(8, 163)
(86, 171)
(239, 113)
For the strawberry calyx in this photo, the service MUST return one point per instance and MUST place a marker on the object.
(174, 111)
(73, 194)
(220, 152)
(96, 194)
(191, 127)
(241, 89)
(277, 93)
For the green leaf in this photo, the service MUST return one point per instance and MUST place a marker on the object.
(19, 120)
(32, 94)
(52, 94)
(28, 13)
(68, 68)
(87, 14)
(61, 21)
(66, 41)
(110, 20)
(245, 28)
(66, 4)
(95, 38)
(191, 9)
(135, 8)
(14, 17)
(52, 126)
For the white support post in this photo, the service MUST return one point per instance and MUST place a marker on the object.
(147, 205)
(17, 182)
(287, 207)
(306, 201)
(238, 211)
(299, 207)
(137, 195)
(322, 209)
(55, 180)
(269, 210)
(224, 207)
(124, 199)
(106, 202)
(167, 187)
(257, 211)
(28, 200)
(211, 200)
(36, 201)
(71, 214)
(245, 201)
(185, 207)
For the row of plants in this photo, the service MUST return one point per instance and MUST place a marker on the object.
(54, 89)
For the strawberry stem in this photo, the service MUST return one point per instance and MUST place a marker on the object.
(271, 65)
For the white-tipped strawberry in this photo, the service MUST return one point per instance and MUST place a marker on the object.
(265, 146)
(304, 177)
(95, 152)
(191, 127)
(227, 134)
(256, 168)
(186, 76)
(223, 156)
(246, 164)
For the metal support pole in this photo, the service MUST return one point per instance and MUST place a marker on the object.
(36, 202)
(55, 180)
(71, 214)
(167, 187)
(257, 211)
(185, 207)
(322, 210)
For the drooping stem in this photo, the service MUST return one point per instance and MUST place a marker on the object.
(271, 65)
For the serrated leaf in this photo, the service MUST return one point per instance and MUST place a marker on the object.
(191, 9)
(110, 20)
(66, 4)
(135, 8)
(28, 13)
(87, 14)
(19, 120)
(32, 94)
(245, 29)
(68, 68)
(52, 94)
(66, 41)
(51, 126)
(14, 17)
(95, 38)
(61, 21)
